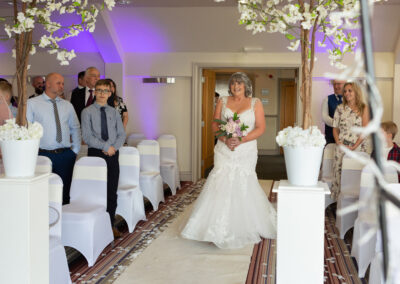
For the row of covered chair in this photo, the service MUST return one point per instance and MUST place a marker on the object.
(357, 187)
(85, 223)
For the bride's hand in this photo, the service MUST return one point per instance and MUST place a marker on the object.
(230, 143)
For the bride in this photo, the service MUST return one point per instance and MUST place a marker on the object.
(233, 210)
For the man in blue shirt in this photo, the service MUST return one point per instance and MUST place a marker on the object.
(104, 133)
(60, 126)
(329, 106)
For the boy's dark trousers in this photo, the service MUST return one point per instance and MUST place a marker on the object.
(112, 179)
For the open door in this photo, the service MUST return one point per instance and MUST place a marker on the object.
(207, 112)
(287, 104)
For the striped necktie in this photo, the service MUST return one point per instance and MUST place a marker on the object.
(58, 124)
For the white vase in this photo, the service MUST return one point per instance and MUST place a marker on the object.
(19, 157)
(303, 164)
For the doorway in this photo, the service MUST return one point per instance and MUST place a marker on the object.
(275, 87)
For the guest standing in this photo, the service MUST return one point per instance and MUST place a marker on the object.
(118, 103)
(104, 134)
(352, 113)
(60, 127)
(81, 83)
(38, 85)
(6, 92)
(5, 104)
(85, 96)
(329, 106)
(392, 150)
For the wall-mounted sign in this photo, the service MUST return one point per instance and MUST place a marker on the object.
(264, 92)
(264, 101)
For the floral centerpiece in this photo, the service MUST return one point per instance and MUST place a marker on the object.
(12, 131)
(297, 136)
(303, 150)
(19, 147)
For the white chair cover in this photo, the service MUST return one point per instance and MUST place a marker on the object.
(130, 198)
(83, 152)
(393, 232)
(86, 225)
(326, 174)
(169, 162)
(349, 192)
(366, 220)
(150, 179)
(58, 265)
(134, 139)
(43, 165)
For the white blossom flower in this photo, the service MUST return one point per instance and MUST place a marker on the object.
(12, 131)
(297, 136)
(294, 45)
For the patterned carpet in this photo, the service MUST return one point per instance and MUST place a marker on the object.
(339, 267)
(112, 262)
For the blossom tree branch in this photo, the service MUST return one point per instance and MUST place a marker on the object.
(33, 13)
(299, 22)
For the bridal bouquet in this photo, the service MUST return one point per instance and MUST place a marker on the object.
(232, 128)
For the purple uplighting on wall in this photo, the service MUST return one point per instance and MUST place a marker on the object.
(138, 33)
(148, 107)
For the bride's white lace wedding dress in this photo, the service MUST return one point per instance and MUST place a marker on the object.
(232, 209)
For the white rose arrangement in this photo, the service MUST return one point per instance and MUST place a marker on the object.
(12, 131)
(297, 136)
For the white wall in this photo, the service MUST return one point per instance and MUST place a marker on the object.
(156, 109)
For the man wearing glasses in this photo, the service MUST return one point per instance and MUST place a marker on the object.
(85, 96)
(60, 127)
(103, 132)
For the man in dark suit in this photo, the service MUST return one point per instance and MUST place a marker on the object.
(85, 96)
(81, 83)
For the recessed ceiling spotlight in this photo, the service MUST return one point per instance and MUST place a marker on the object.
(123, 2)
(10, 3)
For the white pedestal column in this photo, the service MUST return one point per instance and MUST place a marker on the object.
(300, 239)
(24, 224)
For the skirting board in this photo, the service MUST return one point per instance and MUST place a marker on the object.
(185, 176)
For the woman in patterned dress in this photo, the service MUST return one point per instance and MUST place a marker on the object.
(116, 101)
(351, 113)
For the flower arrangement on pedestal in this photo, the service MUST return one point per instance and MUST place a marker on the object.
(19, 146)
(303, 153)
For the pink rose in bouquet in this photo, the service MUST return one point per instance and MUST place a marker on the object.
(232, 128)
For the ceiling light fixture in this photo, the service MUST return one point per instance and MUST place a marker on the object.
(123, 2)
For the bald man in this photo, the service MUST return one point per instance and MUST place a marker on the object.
(329, 106)
(85, 96)
(38, 85)
(60, 127)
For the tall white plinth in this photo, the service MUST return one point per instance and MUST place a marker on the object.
(24, 225)
(300, 236)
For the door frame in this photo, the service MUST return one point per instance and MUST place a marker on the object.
(196, 105)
